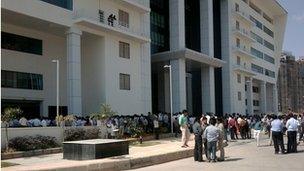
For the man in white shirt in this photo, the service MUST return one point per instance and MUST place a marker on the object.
(292, 127)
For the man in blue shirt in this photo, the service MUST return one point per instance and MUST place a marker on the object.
(277, 134)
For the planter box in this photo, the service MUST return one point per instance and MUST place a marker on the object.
(94, 149)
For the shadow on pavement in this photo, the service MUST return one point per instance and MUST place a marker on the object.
(232, 159)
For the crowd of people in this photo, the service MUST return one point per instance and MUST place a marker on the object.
(211, 132)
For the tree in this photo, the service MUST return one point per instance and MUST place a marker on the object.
(8, 115)
(104, 113)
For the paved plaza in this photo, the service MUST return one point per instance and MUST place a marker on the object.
(241, 157)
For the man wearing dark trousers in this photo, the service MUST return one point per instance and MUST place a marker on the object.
(198, 148)
(204, 126)
(277, 134)
(292, 127)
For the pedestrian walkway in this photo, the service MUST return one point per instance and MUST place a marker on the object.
(150, 152)
(241, 156)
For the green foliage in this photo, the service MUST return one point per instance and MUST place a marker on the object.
(27, 143)
(75, 134)
(104, 113)
(10, 114)
(136, 131)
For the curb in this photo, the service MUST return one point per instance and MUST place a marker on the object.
(19, 154)
(126, 164)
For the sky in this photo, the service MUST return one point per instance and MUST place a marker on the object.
(294, 33)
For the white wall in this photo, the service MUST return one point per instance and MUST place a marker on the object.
(54, 47)
(93, 73)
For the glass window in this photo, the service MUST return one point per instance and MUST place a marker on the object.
(269, 73)
(255, 89)
(270, 20)
(268, 45)
(255, 8)
(257, 37)
(237, 7)
(124, 81)
(238, 60)
(269, 58)
(237, 25)
(256, 103)
(257, 69)
(21, 43)
(123, 18)
(239, 78)
(256, 22)
(268, 31)
(238, 43)
(124, 50)
(239, 96)
(256, 52)
(12, 79)
(67, 4)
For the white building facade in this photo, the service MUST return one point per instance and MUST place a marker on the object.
(252, 37)
(103, 47)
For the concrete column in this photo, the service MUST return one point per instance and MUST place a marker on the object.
(207, 72)
(189, 92)
(74, 70)
(206, 17)
(178, 84)
(208, 94)
(263, 100)
(146, 97)
(275, 99)
(177, 24)
(249, 96)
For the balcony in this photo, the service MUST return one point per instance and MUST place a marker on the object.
(243, 51)
(241, 15)
(99, 21)
(141, 6)
(243, 33)
(243, 69)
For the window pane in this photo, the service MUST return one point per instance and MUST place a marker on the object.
(21, 43)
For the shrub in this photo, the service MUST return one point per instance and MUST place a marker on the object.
(27, 143)
(74, 134)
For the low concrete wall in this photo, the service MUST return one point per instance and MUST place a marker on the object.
(56, 132)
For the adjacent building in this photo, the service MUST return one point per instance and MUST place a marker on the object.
(291, 83)
(224, 55)
(103, 47)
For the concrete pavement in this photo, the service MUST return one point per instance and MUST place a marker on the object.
(246, 157)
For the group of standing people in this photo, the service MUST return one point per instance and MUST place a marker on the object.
(209, 135)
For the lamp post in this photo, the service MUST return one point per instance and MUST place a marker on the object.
(57, 86)
(171, 105)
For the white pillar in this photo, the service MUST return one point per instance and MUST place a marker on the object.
(207, 72)
(208, 94)
(206, 17)
(189, 92)
(74, 71)
(178, 67)
(145, 56)
(177, 24)
(249, 96)
(263, 99)
(275, 99)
